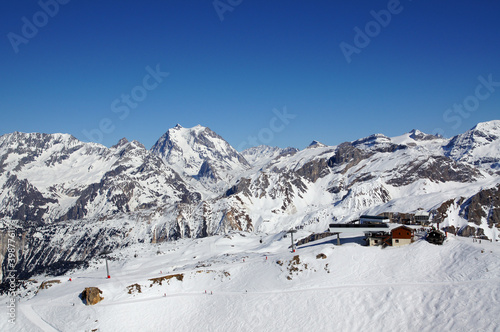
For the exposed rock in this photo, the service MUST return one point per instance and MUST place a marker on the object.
(160, 280)
(121, 143)
(23, 202)
(378, 143)
(435, 168)
(441, 213)
(207, 171)
(314, 170)
(485, 204)
(135, 288)
(238, 219)
(91, 296)
(347, 154)
(417, 135)
(469, 231)
(47, 284)
(241, 187)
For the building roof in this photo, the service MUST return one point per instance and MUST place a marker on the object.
(373, 217)
(403, 226)
(422, 213)
(359, 226)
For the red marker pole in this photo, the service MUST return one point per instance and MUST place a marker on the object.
(291, 233)
(107, 268)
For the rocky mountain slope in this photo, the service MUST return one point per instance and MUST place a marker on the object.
(192, 183)
(478, 146)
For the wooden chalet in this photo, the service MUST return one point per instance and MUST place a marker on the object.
(402, 235)
(378, 239)
(398, 236)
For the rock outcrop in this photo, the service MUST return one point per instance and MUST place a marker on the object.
(91, 296)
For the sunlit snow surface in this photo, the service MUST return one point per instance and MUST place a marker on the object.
(419, 287)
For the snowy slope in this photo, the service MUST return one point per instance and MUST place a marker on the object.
(244, 282)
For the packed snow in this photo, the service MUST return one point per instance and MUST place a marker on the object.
(251, 282)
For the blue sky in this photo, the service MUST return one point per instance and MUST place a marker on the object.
(269, 72)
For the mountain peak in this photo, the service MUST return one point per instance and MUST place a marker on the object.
(488, 126)
(417, 135)
(316, 144)
(187, 149)
(415, 132)
(196, 130)
(121, 142)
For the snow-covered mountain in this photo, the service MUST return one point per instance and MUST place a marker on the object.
(261, 155)
(479, 146)
(200, 154)
(192, 183)
(47, 178)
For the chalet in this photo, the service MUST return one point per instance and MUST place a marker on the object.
(398, 236)
(401, 235)
(378, 239)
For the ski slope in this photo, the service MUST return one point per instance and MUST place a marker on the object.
(236, 283)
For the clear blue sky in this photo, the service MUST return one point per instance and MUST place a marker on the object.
(230, 74)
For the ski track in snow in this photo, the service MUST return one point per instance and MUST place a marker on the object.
(343, 286)
(36, 319)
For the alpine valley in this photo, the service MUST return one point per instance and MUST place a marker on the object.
(67, 201)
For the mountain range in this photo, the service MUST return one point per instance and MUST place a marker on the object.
(192, 183)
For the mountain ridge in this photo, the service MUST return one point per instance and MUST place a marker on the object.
(192, 183)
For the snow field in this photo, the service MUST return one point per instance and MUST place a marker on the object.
(420, 287)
